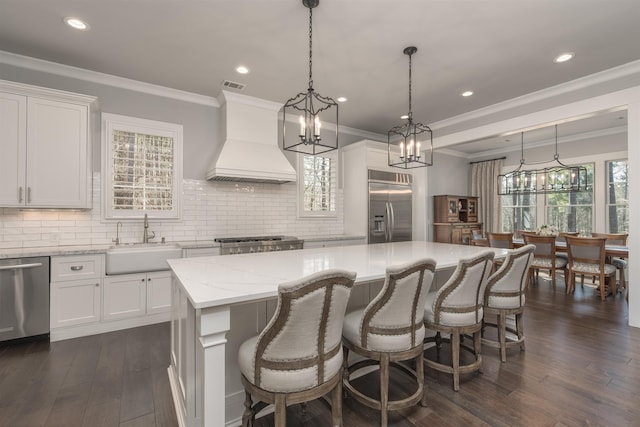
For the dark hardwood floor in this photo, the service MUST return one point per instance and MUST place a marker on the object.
(581, 367)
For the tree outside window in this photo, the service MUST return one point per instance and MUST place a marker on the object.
(318, 186)
(572, 211)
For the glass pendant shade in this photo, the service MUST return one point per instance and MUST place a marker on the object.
(410, 145)
(311, 111)
(557, 178)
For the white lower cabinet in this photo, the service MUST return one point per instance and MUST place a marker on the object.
(134, 295)
(75, 302)
(75, 290)
(158, 292)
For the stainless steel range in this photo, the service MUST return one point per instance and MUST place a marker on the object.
(245, 245)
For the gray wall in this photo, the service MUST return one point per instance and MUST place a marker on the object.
(199, 121)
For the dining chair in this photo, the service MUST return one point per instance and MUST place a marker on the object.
(618, 239)
(587, 258)
(456, 309)
(500, 240)
(298, 355)
(545, 258)
(478, 238)
(387, 331)
(504, 296)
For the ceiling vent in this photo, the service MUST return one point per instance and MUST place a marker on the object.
(233, 85)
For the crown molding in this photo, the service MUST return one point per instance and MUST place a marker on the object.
(105, 79)
(546, 142)
(622, 71)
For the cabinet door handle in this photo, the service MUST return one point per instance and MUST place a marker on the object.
(97, 285)
(20, 199)
(142, 280)
(76, 267)
(28, 194)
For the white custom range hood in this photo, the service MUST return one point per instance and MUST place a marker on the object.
(250, 151)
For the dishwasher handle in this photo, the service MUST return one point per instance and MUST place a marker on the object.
(20, 266)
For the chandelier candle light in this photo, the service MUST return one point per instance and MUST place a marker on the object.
(558, 178)
(410, 137)
(309, 105)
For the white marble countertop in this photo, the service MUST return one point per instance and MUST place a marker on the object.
(89, 249)
(222, 280)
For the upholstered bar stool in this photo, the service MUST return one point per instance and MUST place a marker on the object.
(389, 330)
(298, 356)
(504, 296)
(457, 309)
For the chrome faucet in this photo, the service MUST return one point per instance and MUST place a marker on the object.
(117, 239)
(145, 236)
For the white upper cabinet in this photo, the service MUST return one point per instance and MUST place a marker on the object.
(13, 141)
(45, 136)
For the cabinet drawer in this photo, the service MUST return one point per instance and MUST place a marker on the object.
(76, 267)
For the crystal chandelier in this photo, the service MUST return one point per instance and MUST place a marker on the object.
(558, 178)
(309, 106)
(406, 142)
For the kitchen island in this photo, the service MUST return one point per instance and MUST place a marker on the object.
(219, 301)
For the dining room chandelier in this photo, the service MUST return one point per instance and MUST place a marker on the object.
(556, 178)
(309, 106)
(410, 145)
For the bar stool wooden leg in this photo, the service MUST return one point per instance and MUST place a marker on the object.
(336, 405)
(502, 336)
(455, 359)
(384, 389)
(280, 415)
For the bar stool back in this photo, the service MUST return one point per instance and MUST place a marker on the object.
(298, 356)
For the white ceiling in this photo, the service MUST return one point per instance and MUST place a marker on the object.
(500, 49)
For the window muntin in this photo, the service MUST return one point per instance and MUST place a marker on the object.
(142, 170)
(617, 196)
(317, 176)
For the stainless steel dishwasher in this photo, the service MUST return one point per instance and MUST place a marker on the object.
(24, 298)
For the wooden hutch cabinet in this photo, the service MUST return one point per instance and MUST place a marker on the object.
(455, 218)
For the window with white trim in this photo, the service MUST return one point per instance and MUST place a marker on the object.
(317, 185)
(142, 168)
(518, 212)
(572, 211)
(617, 196)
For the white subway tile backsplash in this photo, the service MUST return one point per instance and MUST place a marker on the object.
(210, 209)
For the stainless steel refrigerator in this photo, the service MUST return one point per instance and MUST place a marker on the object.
(390, 207)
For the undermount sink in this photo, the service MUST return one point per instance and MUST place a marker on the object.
(140, 258)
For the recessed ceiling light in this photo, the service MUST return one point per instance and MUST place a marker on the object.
(564, 57)
(404, 117)
(341, 99)
(467, 93)
(76, 23)
(241, 69)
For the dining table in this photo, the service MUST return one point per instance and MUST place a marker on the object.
(618, 251)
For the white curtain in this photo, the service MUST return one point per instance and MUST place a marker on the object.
(484, 184)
